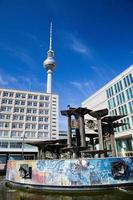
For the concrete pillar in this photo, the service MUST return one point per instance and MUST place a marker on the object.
(100, 135)
(82, 130)
(38, 154)
(112, 138)
(132, 141)
(92, 142)
(69, 131)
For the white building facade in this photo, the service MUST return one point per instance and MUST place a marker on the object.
(117, 96)
(27, 116)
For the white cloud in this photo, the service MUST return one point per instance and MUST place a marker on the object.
(21, 82)
(85, 88)
(103, 74)
(23, 55)
(3, 81)
(34, 39)
(77, 45)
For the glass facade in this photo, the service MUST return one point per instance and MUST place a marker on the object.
(120, 102)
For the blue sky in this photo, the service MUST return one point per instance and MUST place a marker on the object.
(92, 41)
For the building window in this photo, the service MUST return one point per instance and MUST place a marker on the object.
(15, 117)
(45, 126)
(16, 109)
(28, 118)
(46, 105)
(40, 119)
(41, 111)
(22, 103)
(5, 94)
(2, 116)
(111, 103)
(40, 126)
(120, 98)
(109, 93)
(15, 145)
(3, 144)
(17, 125)
(34, 103)
(46, 119)
(33, 126)
(33, 134)
(29, 103)
(123, 110)
(33, 118)
(21, 117)
(21, 110)
(42, 135)
(10, 101)
(13, 134)
(46, 98)
(35, 97)
(42, 97)
(4, 124)
(6, 133)
(8, 116)
(4, 101)
(129, 93)
(18, 95)
(46, 112)
(29, 96)
(41, 104)
(27, 126)
(127, 126)
(17, 102)
(132, 120)
(30, 134)
(6, 109)
(34, 111)
(131, 78)
(7, 101)
(29, 110)
(130, 106)
(23, 96)
(128, 80)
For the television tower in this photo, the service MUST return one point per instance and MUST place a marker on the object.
(49, 64)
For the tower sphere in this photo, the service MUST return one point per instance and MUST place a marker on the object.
(49, 63)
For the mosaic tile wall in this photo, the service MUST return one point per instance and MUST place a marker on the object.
(78, 172)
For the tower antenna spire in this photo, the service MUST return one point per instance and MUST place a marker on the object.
(49, 64)
(50, 43)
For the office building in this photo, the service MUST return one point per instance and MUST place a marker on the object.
(117, 96)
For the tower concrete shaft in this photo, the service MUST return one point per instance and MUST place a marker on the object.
(49, 64)
(49, 81)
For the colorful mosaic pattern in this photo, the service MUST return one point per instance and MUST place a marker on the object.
(78, 172)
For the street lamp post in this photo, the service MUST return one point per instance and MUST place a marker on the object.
(23, 146)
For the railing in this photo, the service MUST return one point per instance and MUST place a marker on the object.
(125, 153)
(129, 153)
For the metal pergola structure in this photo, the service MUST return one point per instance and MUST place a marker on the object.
(77, 146)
